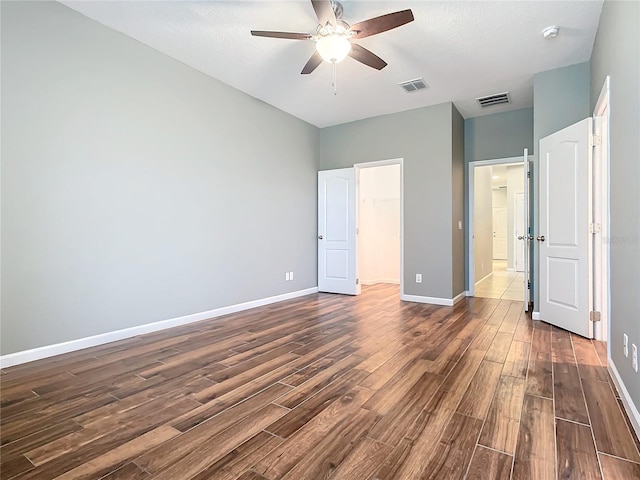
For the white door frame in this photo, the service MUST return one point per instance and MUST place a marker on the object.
(471, 251)
(514, 232)
(601, 212)
(382, 163)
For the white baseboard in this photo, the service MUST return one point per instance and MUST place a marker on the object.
(394, 281)
(73, 345)
(448, 302)
(467, 294)
(459, 297)
(535, 315)
(484, 278)
(631, 409)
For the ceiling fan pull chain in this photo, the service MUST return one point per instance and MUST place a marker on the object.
(335, 87)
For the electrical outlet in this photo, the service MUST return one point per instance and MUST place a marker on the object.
(634, 357)
(418, 278)
(291, 276)
(625, 344)
(286, 277)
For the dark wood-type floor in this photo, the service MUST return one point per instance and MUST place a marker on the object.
(325, 386)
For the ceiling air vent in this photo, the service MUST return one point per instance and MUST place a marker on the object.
(413, 85)
(496, 99)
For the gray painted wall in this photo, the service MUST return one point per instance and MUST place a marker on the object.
(500, 135)
(457, 184)
(423, 138)
(136, 189)
(617, 53)
(560, 98)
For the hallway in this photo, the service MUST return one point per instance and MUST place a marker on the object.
(501, 283)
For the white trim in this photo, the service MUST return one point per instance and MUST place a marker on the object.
(25, 356)
(603, 98)
(447, 302)
(461, 296)
(602, 211)
(467, 293)
(631, 409)
(483, 278)
(535, 316)
(378, 163)
(498, 161)
(393, 281)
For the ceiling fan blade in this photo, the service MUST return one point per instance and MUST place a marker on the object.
(383, 23)
(363, 55)
(287, 35)
(324, 12)
(312, 64)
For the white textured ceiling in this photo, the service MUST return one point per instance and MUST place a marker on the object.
(463, 50)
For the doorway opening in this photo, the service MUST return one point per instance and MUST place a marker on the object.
(498, 233)
(496, 192)
(379, 223)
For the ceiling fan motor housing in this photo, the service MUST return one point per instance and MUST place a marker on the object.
(337, 9)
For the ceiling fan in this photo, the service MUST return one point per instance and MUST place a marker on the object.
(334, 36)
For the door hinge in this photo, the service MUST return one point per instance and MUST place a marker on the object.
(594, 316)
(594, 140)
(357, 281)
(595, 228)
(528, 284)
(357, 231)
(529, 174)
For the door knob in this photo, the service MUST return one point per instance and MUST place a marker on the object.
(540, 238)
(320, 237)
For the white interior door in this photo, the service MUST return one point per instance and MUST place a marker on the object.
(337, 232)
(500, 233)
(564, 239)
(520, 240)
(527, 232)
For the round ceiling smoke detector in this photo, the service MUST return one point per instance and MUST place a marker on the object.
(551, 32)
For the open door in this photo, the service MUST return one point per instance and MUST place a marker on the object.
(525, 236)
(337, 232)
(564, 238)
(520, 233)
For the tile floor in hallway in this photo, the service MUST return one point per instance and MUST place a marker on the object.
(501, 283)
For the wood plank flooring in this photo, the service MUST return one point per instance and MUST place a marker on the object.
(324, 386)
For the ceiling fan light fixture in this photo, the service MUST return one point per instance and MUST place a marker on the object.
(333, 48)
